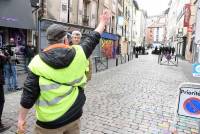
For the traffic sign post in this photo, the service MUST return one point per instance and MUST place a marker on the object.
(188, 102)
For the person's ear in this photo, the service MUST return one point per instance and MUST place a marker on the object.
(66, 42)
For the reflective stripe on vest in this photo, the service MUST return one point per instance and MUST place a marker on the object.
(44, 88)
(57, 85)
(49, 87)
(75, 81)
(54, 101)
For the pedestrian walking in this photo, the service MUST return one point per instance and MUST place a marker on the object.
(55, 82)
(3, 127)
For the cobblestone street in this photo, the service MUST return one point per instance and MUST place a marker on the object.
(133, 98)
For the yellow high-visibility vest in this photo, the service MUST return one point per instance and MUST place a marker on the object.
(58, 87)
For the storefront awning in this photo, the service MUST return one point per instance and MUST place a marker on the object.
(16, 14)
(109, 36)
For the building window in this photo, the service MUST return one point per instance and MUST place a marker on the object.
(120, 1)
(35, 3)
(85, 9)
(64, 7)
(93, 16)
(85, 13)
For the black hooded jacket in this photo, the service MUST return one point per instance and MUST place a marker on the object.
(2, 62)
(58, 58)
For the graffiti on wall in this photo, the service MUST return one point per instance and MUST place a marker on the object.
(108, 48)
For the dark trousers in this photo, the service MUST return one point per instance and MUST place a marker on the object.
(2, 100)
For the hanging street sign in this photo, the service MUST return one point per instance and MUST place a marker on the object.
(196, 70)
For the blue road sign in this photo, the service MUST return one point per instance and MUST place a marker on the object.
(192, 106)
(196, 70)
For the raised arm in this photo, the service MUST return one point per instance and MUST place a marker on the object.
(104, 20)
(92, 40)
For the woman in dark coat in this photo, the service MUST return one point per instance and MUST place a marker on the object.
(3, 127)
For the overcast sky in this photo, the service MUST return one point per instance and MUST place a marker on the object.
(153, 7)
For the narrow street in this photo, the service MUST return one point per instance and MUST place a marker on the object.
(134, 98)
(130, 91)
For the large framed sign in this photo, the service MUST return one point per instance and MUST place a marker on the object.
(189, 100)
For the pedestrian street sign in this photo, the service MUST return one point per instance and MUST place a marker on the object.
(196, 70)
(189, 100)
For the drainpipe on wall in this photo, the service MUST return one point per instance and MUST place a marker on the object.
(97, 12)
(68, 11)
(77, 10)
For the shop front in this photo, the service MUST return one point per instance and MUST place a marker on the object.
(16, 23)
(18, 35)
(109, 45)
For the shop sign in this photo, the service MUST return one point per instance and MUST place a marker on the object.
(187, 14)
(196, 70)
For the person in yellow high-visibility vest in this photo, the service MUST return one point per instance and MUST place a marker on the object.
(56, 80)
(76, 37)
(76, 40)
